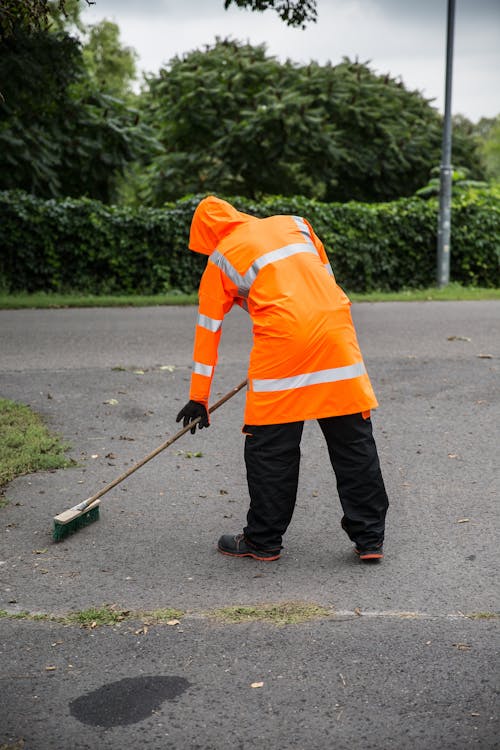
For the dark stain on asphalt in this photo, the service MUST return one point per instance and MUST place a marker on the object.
(126, 701)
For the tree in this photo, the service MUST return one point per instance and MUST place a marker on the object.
(487, 133)
(35, 15)
(32, 15)
(59, 133)
(292, 12)
(234, 120)
(229, 118)
(111, 66)
(28, 14)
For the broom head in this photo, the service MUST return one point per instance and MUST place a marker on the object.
(71, 520)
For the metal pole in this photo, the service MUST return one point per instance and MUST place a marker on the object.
(444, 219)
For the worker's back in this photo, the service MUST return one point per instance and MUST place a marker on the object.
(305, 362)
(291, 296)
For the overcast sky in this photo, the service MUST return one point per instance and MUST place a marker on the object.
(406, 38)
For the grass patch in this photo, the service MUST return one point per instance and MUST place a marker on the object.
(452, 292)
(111, 615)
(26, 445)
(95, 617)
(16, 745)
(285, 613)
(43, 300)
(24, 616)
(483, 616)
(161, 616)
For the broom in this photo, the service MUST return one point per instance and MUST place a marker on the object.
(87, 512)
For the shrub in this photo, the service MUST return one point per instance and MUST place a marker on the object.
(86, 246)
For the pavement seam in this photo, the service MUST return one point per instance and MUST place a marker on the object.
(216, 616)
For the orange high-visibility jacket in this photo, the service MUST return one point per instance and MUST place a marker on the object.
(305, 362)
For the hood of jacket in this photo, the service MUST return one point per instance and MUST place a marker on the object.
(213, 219)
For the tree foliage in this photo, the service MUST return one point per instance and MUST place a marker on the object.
(227, 119)
(232, 119)
(292, 12)
(111, 66)
(61, 132)
(28, 14)
(35, 15)
(487, 133)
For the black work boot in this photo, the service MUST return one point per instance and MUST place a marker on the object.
(370, 554)
(238, 546)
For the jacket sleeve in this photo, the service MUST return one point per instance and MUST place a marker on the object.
(216, 297)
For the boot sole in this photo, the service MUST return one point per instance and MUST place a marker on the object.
(369, 555)
(248, 554)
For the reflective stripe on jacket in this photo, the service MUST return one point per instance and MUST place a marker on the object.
(305, 361)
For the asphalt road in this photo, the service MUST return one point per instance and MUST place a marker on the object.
(405, 657)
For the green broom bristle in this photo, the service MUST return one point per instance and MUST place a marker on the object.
(62, 530)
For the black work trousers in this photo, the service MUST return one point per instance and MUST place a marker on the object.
(272, 457)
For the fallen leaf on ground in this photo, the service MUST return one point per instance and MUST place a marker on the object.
(50, 668)
(357, 611)
(257, 685)
(111, 401)
(168, 368)
(173, 622)
(463, 520)
(462, 646)
(458, 338)
(452, 455)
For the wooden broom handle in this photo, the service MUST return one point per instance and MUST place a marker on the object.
(161, 447)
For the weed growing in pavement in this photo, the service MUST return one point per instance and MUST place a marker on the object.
(284, 613)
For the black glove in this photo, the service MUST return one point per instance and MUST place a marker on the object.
(192, 410)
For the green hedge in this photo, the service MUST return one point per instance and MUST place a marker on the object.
(86, 246)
